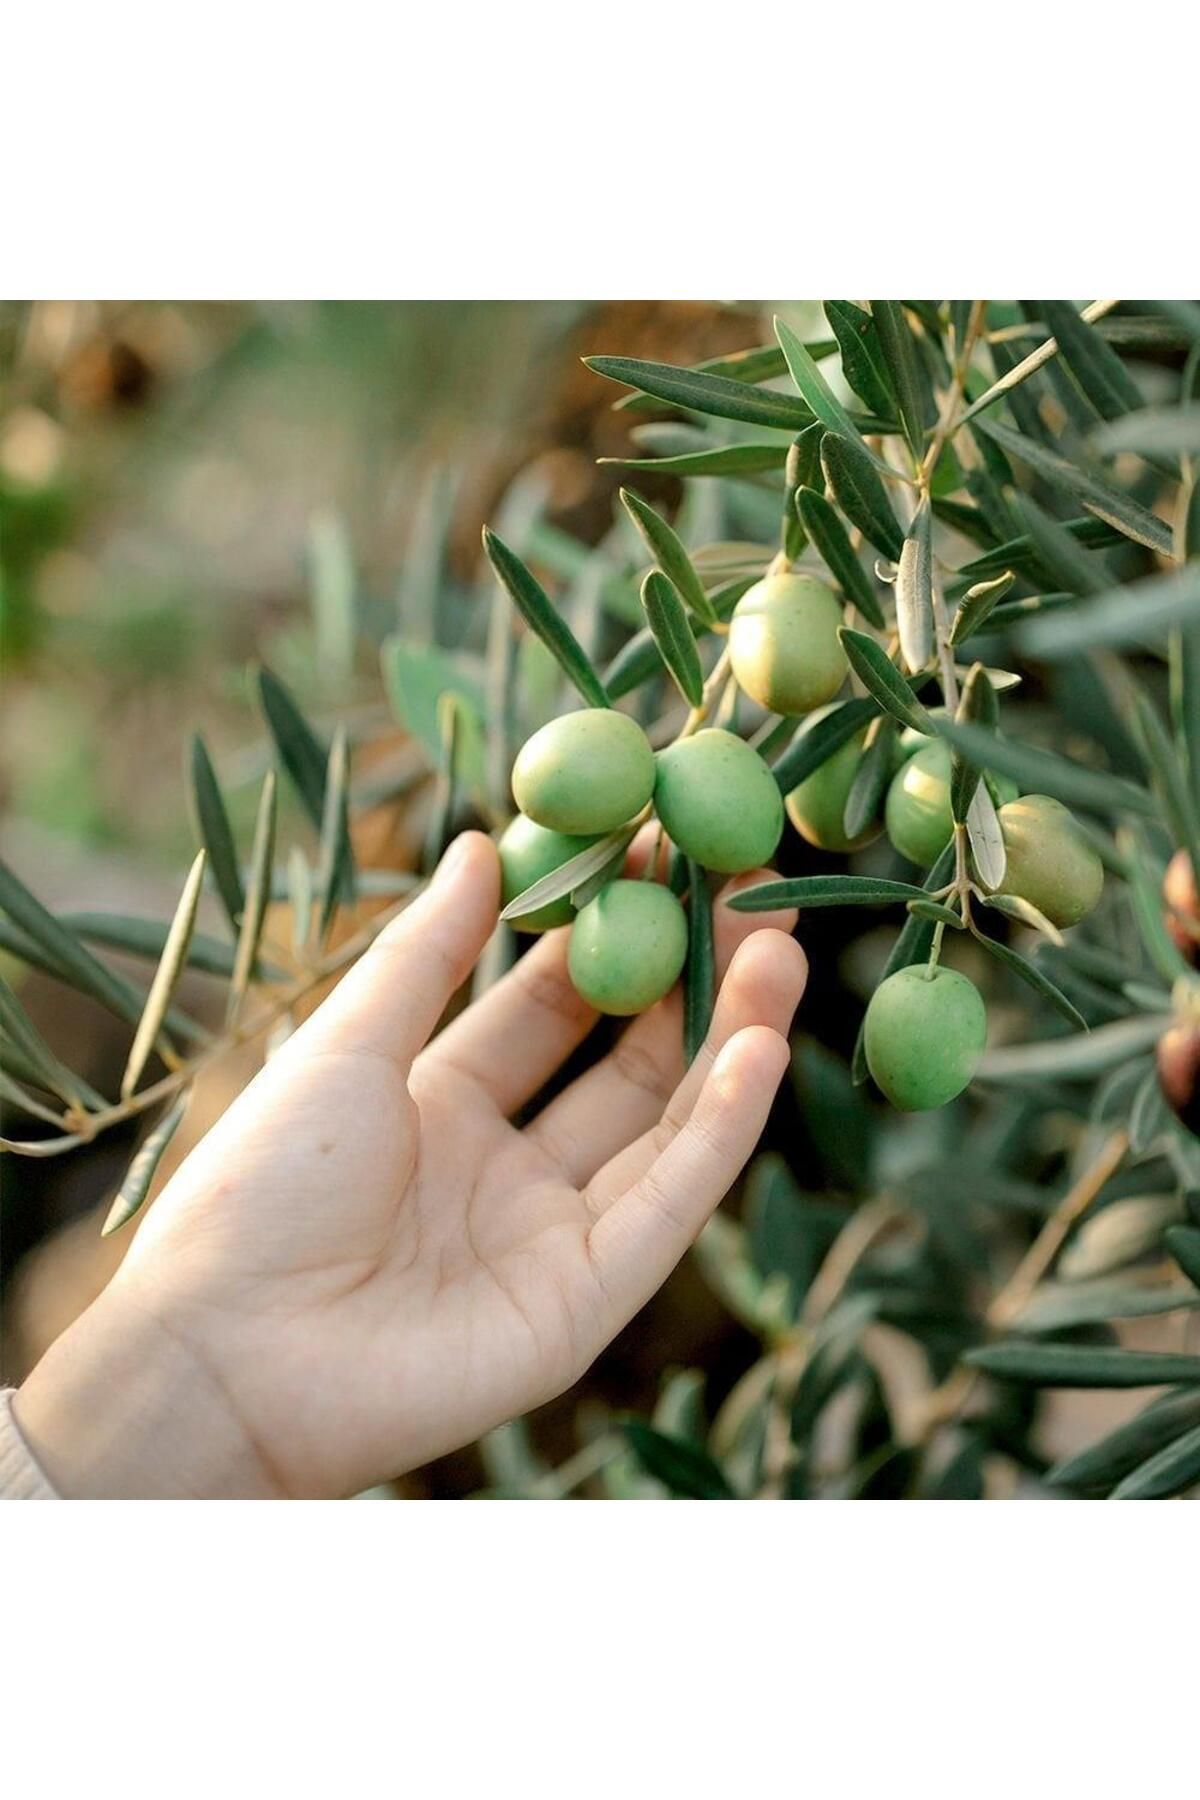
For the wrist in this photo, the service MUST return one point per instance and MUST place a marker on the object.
(120, 1407)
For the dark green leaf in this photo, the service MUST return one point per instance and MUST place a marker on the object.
(1042, 772)
(725, 459)
(872, 778)
(1012, 376)
(1059, 551)
(816, 741)
(1167, 774)
(1174, 1468)
(699, 984)
(856, 486)
(1036, 979)
(801, 471)
(146, 938)
(1097, 368)
(877, 672)
(935, 911)
(1083, 1365)
(1129, 1446)
(763, 363)
(131, 1195)
(682, 1467)
(1116, 509)
(215, 833)
(807, 891)
(673, 634)
(976, 606)
(300, 751)
(335, 868)
(34, 1058)
(664, 545)
(817, 392)
(534, 606)
(909, 380)
(977, 706)
(862, 360)
(1183, 1241)
(833, 546)
(640, 660)
(715, 395)
(63, 950)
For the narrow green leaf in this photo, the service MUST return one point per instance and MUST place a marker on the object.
(300, 751)
(1145, 898)
(1083, 1365)
(34, 1054)
(166, 976)
(800, 471)
(877, 672)
(1167, 775)
(977, 706)
(64, 953)
(1078, 1058)
(1029, 365)
(808, 891)
(673, 635)
(15, 1095)
(1116, 509)
(131, 1195)
(817, 740)
(572, 875)
(335, 865)
(1025, 913)
(1131, 1444)
(1059, 551)
(258, 893)
(763, 363)
(534, 607)
(908, 378)
(640, 660)
(976, 607)
(215, 832)
(1042, 772)
(935, 912)
(1183, 1241)
(1138, 613)
(1153, 431)
(717, 395)
(914, 591)
(682, 1467)
(146, 938)
(699, 983)
(872, 778)
(856, 486)
(833, 546)
(1095, 365)
(725, 459)
(1174, 1468)
(818, 394)
(862, 360)
(1036, 979)
(1018, 552)
(1064, 1305)
(665, 547)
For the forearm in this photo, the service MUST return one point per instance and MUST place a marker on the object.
(119, 1408)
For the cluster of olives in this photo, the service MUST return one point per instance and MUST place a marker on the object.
(589, 773)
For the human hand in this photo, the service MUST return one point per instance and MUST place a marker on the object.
(365, 1265)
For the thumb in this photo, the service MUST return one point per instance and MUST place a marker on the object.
(393, 997)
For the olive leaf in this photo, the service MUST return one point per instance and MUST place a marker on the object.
(1145, 900)
(978, 706)
(673, 635)
(35, 1056)
(1167, 775)
(816, 741)
(855, 484)
(1083, 1365)
(818, 394)
(258, 893)
(416, 676)
(1131, 1444)
(724, 459)
(664, 545)
(1059, 552)
(1183, 1241)
(683, 1468)
(333, 587)
(1154, 430)
(935, 912)
(909, 382)
(877, 672)
(1116, 509)
(718, 395)
(976, 606)
(1035, 978)
(808, 891)
(131, 1195)
(1043, 772)
(862, 361)
(15, 1095)
(335, 867)
(300, 751)
(215, 832)
(146, 938)
(914, 591)
(699, 981)
(532, 603)
(1029, 365)
(1173, 1469)
(800, 471)
(871, 780)
(833, 546)
(166, 976)
(572, 875)
(1025, 913)
(1101, 374)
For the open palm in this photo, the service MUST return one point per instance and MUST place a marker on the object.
(369, 1265)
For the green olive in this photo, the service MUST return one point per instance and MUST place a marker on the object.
(1049, 861)
(528, 852)
(627, 947)
(783, 643)
(718, 801)
(585, 773)
(918, 816)
(925, 1032)
(817, 807)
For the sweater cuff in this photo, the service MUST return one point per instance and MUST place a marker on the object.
(20, 1477)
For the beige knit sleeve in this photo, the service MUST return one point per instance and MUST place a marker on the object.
(20, 1477)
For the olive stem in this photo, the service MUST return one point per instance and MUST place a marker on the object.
(935, 949)
(1018, 1290)
(699, 713)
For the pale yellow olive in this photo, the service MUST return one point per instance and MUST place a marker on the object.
(783, 643)
(1049, 862)
(527, 853)
(585, 773)
(817, 807)
(719, 802)
(627, 947)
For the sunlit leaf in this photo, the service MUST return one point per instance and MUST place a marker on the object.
(673, 635)
(817, 393)
(571, 876)
(807, 891)
(131, 1195)
(724, 459)
(166, 977)
(535, 608)
(664, 545)
(716, 395)
(877, 672)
